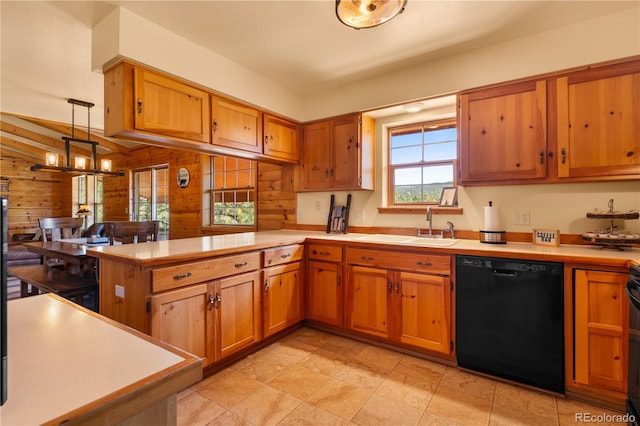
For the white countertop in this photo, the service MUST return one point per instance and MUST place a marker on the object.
(158, 252)
(62, 358)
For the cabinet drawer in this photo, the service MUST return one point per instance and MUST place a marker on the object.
(324, 252)
(431, 263)
(196, 272)
(285, 254)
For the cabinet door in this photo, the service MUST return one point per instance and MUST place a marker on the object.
(503, 133)
(237, 306)
(367, 293)
(598, 124)
(316, 156)
(346, 170)
(281, 139)
(185, 318)
(601, 329)
(283, 297)
(167, 107)
(235, 126)
(424, 310)
(324, 292)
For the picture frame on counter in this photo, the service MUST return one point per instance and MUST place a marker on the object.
(449, 197)
(546, 237)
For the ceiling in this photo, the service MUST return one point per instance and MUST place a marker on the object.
(299, 44)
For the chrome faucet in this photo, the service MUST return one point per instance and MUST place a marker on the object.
(430, 220)
(451, 231)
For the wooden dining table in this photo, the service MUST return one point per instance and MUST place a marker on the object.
(72, 252)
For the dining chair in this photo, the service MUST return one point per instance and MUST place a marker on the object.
(58, 228)
(132, 232)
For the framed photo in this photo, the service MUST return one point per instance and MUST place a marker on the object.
(546, 237)
(449, 197)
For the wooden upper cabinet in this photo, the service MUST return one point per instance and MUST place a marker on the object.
(281, 139)
(235, 125)
(598, 122)
(338, 154)
(149, 105)
(503, 133)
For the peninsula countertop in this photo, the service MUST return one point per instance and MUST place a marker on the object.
(67, 364)
(193, 249)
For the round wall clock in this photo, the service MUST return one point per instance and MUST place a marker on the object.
(183, 177)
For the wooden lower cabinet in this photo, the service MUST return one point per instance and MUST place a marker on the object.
(283, 297)
(211, 320)
(185, 319)
(324, 292)
(601, 329)
(411, 308)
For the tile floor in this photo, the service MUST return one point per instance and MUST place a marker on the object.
(315, 378)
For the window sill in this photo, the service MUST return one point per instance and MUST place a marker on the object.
(225, 229)
(420, 210)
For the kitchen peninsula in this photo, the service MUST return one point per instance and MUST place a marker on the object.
(70, 365)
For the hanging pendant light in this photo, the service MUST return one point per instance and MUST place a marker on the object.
(368, 13)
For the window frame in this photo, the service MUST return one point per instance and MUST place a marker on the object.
(427, 124)
(165, 228)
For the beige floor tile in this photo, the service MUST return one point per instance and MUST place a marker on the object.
(345, 346)
(379, 357)
(228, 419)
(229, 389)
(429, 419)
(529, 401)
(310, 336)
(184, 394)
(459, 407)
(266, 366)
(292, 350)
(325, 362)
(309, 415)
(267, 406)
(411, 391)
(362, 375)
(299, 381)
(503, 415)
(385, 411)
(420, 368)
(340, 398)
(195, 410)
(572, 412)
(470, 383)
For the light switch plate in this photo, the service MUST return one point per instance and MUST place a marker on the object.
(119, 291)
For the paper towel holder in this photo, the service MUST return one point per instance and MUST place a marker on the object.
(493, 237)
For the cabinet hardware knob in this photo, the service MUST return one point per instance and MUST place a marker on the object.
(563, 154)
(541, 156)
(211, 299)
(284, 256)
(266, 286)
(266, 139)
(390, 287)
(218, 298)
(421, 263)
(397, 288)
(215, 126)
(630, 154)
(139, 105)
(241, 264)
(181, 276)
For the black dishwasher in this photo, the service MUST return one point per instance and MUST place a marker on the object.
(509, 319)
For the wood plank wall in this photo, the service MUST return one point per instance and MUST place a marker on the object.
(32, 194)
(47, 194)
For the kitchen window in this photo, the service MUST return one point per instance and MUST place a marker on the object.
(421, 162)
(151, 197)
(231, 193)
(88, 190)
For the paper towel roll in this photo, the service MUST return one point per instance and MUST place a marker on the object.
(492, 219)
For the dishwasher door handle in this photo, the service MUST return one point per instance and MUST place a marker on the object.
(633, 285)
(505, 273)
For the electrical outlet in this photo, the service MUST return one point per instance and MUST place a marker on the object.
(299, 213)
(522, 217)
(119, 291)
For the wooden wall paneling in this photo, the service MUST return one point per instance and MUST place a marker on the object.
(31, 194)
(276, 199)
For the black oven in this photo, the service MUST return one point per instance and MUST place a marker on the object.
(633, 290)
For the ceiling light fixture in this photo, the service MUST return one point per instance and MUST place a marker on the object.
(368, 13)
(414, 107)
(51, 158)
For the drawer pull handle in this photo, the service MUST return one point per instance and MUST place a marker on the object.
(420, 263)
(241, 264)
(266, 286)
(325, 253)
(397, 288)
(181, 276)
(284, 256)
(367, 258)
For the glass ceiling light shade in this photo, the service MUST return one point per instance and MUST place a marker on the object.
(414, 107)
(368, 13)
